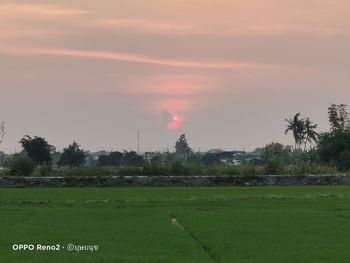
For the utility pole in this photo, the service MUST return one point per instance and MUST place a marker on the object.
(138, 141)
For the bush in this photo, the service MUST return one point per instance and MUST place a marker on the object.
(222, 170)
(178, 168)
(273, 167)
(89, 171)
(129, 171)
(46, 170)
(21, 166)
(248, 170)
(310, 168)
(156, 170)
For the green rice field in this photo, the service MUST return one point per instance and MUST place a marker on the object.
(217, 224)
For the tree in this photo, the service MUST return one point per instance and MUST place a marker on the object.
(339, 117)
(132, 159)
(276, 152)
(115, 158)
(72, 156)
(296, 126)
(37, 148)
(2, 131)
(334, 146)
(21, 165)
(103, 160)
(182, 147)
(310, 135)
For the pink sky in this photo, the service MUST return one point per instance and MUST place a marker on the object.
(229, 71)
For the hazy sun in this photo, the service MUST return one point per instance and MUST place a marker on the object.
(175, 123)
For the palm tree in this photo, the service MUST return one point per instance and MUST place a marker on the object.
(310, 135)
(296, 126)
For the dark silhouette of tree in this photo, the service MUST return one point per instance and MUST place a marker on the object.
(276, 152)
(296, 126)
(334, 146)
(115, 158)
(339, 117)
(310, 135)
(334, 149)
(182, 147)
(72, 156)
(103, 160)
(132, 159)
(37, 148)
(2, 131)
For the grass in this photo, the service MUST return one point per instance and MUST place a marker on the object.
(227, 224)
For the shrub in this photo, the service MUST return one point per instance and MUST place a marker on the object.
(46, 170)
(273, 167)
(21, 166)
(248, 170)
(178, 168)
(129, 171)
(222, 169)
(90, 171)
(310, 168)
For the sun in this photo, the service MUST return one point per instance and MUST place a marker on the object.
(175, 122)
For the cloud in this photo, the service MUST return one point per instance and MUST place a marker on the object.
(25, 33)
(34, 10)
(276, 29)
(143, 26)
(136, 58)
(203, 28)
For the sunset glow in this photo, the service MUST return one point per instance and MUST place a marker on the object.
(175, 123)
(165, 66)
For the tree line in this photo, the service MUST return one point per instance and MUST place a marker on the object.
(312, 152)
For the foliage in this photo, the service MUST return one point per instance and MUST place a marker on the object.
(89, 171)
(182, 147)
(303, 131)
(309, 134)
(296, 126)
(21, 165)
(177, 168)
(210, 159)
(72, 156)
(37, 148)
(334, 146)
(339, 117)
(113, 159)
(248, 170)
(103, 160)
(46, 170)
(273, 167)
(130, 171)
(276, 152)
(133, 159)
(309, 168)
(334, 149)
(195, 165)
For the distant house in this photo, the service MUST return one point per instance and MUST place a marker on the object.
(228, 157)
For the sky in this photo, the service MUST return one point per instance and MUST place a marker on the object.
(224, 72)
